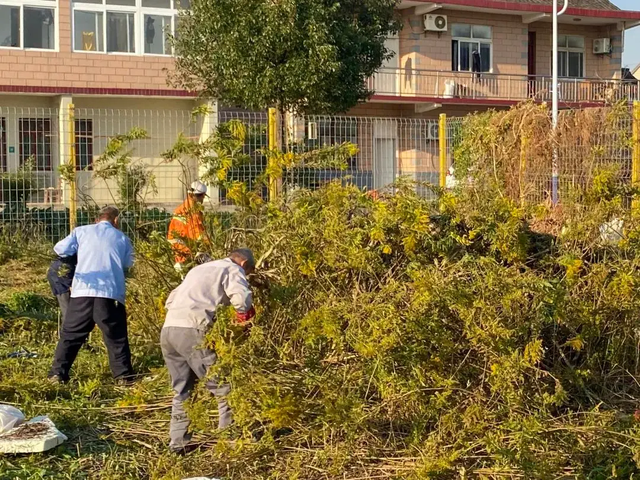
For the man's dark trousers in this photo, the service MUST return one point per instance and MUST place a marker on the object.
(83, 314)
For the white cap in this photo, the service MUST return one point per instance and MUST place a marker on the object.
(198, 188)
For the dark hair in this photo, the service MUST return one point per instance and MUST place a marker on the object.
(243, 255)
(109, 214)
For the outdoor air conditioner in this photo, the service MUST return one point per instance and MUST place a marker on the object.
(602, 46)
(312, 131)
(435, 23)
(433, 131)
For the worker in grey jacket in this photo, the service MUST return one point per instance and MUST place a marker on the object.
(191, 309)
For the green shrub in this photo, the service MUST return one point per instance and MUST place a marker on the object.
(451, 334)
(30, 304)
(15, 190)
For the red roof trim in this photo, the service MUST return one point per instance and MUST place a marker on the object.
(125, 92)
(527, 7)
(447, 101)
(472, 101)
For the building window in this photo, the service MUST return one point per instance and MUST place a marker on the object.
(125, 26)
(84, 144)
(121, 32)
(471, 48)
(88, 35)
(571, 56)
(35, 142)
(155, 38)
(31, 26)
(3, 145)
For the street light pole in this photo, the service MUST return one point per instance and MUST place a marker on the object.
(555, 98)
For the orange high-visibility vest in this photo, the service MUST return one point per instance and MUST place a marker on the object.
(187, 224)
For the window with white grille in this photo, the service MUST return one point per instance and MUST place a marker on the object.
(469, 41)
(125, 26)
(571, 56)
(28, 25)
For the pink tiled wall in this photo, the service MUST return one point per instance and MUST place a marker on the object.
(432, 51)
(81, 70)
(596, 66)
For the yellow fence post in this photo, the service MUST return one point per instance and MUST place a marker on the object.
(524, 142)
(442, 137)
(73, 208)
(273, 145)
(635, 161)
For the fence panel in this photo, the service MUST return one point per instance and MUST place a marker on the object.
(29, 151)
(35, 198)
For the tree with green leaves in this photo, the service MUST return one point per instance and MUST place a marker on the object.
(304, 56)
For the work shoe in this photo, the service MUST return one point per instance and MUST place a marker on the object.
(182, 451)
(127, 381)
(56, 380)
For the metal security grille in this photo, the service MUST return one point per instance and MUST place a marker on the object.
(36, 198)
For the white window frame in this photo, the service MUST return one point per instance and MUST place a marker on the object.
(568, 50)
(138, 12)
(49, 4)
(471, 39)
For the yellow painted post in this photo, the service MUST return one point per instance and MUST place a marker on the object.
(635, 160)
(273, 145)
(73, 208)
(523, 167)
(442, 142)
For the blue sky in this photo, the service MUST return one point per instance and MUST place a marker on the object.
(631, 56)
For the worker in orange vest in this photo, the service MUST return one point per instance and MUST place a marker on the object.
(187, 223)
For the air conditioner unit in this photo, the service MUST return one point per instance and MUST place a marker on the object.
(602, 46)
(435, 23)
(433, 131)
(312, 131)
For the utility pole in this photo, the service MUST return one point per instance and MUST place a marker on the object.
(555, 98)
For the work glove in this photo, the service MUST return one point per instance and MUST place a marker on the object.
(245, 318)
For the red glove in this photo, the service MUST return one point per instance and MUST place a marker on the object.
(243, 318)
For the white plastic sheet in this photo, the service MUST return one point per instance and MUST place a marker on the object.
(10, 417)
(37, 435)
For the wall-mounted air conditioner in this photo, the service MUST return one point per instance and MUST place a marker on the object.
(433, 131)
(602, 46)
(435, 23)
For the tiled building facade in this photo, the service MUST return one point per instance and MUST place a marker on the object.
(110, 59)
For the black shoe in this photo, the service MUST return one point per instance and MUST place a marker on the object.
(182, 451)
(57, 379)
(127, 381)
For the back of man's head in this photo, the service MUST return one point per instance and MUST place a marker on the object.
(109, 214)
(244, 258)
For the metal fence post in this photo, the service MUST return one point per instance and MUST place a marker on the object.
(442, 144)
(73, 209)
(524, 141)
(635, 160)
(273, 145)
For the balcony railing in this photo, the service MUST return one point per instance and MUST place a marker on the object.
(498, 87)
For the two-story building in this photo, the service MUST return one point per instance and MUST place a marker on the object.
(110, 59)
(460, 56)
(456, 56)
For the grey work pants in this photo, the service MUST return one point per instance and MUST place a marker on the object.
(188, 362)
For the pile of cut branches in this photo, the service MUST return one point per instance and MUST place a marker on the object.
(404, 338)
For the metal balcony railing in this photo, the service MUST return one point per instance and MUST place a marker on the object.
(498, 87)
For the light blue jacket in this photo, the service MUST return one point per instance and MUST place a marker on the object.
(104, 252)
